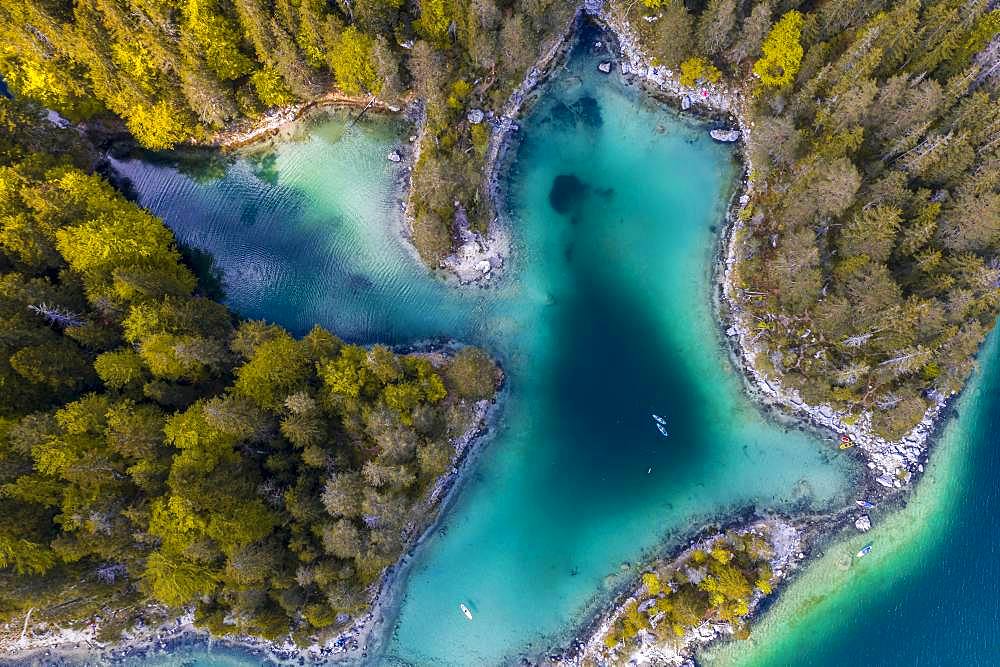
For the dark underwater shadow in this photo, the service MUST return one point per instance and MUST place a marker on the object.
(211, 280)
(201, 164)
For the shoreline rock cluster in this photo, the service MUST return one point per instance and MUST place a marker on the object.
(479, 258)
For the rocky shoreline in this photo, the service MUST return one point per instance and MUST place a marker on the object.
(57, 645)
(478, 259)
(362, 638)
(791, 540)
(803, 537)
(891, 466)
(270, 124)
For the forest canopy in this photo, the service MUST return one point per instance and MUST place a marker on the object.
(155, 447)
(718, 581)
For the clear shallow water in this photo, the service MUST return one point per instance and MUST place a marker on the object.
(603, 318)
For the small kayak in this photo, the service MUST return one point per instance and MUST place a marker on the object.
(865, 550)
(865, 504)
(465, 610)
(846, 442)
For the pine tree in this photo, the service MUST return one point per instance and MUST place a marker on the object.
(716, 26)
(751, 34)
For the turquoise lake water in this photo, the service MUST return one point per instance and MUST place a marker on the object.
(603, 317)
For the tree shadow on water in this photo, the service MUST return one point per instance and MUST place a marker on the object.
(211, 282)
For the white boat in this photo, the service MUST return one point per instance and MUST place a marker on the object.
(465, 610)
(659, 420)
(662, 429)
(865, 550)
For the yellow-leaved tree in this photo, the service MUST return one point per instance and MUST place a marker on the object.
(352, 62)
(271, 88)
(159, 125)
(696, 69)
(782, 52)
(433, 22)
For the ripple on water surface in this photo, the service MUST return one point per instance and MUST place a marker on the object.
(603, 319)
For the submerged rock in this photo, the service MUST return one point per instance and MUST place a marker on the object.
(566, 192)
(885, 481)
(605, 67)
(588, 111)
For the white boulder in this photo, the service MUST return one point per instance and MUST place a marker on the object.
(725, 136)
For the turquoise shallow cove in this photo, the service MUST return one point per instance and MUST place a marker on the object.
(603, 318)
